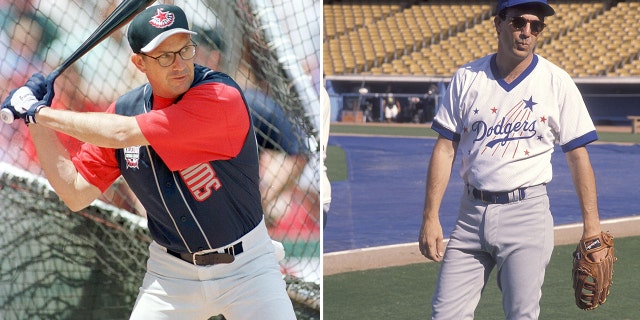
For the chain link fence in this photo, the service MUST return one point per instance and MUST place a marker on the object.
(58, 264)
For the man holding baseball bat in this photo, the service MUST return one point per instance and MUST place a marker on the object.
(185, 145)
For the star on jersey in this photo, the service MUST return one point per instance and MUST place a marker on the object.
(528, 104)
(509, 130)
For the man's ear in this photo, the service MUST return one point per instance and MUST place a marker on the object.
(137, 60)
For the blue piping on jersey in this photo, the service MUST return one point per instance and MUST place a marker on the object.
(509, 86)
(580, 141)
(448, 134)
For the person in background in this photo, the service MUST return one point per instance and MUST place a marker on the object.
(20, 58)
(325, 188)
(391, 109)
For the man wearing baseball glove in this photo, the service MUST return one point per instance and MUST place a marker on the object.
(503, 114)
(592, 276)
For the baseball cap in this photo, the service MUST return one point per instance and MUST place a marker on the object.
(545, 8)
(154, 25)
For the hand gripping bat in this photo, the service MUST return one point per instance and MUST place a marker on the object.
(123, 13)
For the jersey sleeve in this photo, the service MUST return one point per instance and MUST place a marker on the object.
(97, 165)
(447, 121)
(575, 127)
(210, 122)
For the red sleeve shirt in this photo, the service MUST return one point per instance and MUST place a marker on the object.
(97, 165)
(210, 122)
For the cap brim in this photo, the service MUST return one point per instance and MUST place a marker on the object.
(162, 37)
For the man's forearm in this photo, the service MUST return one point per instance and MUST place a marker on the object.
(97, 128)
(60, 170)
(585, 184)
(438, 175)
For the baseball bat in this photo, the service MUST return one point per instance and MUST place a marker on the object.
(120, 16)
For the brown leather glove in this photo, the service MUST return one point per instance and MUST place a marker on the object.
(592, 279)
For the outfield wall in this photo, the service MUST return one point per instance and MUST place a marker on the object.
(609, 100)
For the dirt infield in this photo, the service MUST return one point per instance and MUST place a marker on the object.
(619, 129)
(403, 254)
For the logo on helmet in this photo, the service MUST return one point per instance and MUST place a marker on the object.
(162, 19)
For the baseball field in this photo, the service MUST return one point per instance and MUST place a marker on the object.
(366, 278)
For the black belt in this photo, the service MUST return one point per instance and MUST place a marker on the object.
(210, 257)
(498, 197)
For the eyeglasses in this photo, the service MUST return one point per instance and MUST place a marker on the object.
(519, 23)
(168, 58)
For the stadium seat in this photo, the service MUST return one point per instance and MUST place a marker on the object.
(436, 37)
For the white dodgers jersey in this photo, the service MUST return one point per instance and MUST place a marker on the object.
(507, 131)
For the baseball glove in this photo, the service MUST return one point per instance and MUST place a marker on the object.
(592, 279)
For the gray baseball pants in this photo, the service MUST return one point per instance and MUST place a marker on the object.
(516, 237)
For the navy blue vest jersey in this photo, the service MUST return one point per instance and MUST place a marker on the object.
(205, 206)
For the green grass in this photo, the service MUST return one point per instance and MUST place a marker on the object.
(405, 292)
(384, 130)
(619, 137)
(336, 164)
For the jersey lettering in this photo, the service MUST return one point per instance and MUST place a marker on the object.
(527, 130)
(201, 180)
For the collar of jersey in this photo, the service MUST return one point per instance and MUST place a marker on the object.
(509, 86)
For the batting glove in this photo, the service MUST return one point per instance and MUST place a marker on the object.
(46, 85)
(37, 83)
(23, 102)
(23, 99)
(42, 90)
(30, 116)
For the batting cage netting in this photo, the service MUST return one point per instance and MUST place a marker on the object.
(60, 264)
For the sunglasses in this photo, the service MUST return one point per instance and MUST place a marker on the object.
(519, 23)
